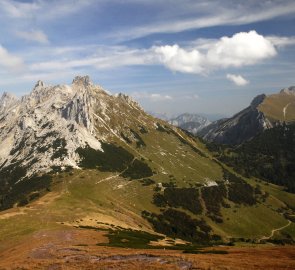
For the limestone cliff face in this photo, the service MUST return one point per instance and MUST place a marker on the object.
(44, 129)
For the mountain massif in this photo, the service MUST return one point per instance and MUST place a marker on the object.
(75, 160)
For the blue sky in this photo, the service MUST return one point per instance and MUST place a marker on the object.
(172, 56)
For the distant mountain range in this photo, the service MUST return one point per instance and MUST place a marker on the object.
(190, 122)
(187, 121)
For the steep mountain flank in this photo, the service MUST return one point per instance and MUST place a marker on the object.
(265, 112)
(239, 128)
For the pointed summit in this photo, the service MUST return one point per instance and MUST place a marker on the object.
(257, 101)
(38, 87)
(82, 80)
(39, 84)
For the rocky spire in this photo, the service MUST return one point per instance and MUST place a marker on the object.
(82, 81)
(39, 84)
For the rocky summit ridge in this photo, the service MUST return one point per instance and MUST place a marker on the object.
(43, 130)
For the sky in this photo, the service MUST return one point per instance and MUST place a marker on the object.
(173, 56)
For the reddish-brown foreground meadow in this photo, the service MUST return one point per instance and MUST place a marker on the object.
(78, 249)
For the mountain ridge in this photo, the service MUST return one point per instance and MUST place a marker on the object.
(242, 126)
(264, 112)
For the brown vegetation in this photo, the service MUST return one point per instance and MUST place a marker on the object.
(78, 249)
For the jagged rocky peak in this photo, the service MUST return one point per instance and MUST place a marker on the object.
(39, 87)
(7, 100)
(48, 95)
(289, 90)
(257, 100)
(54, 121)
(82, 81)
(83, 84)
(39, 84)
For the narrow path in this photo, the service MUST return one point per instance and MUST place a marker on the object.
(107, 178)
(116, 175)
(275, 230)
(285, 110)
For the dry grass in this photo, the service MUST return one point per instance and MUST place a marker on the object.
(273, 107)
(77, 249)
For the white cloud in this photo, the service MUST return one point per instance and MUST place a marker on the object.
(179, 59)
(240, 49)
(33, 36)
(10, 61)
(245, 48)
(237, 79)
(151, 96)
